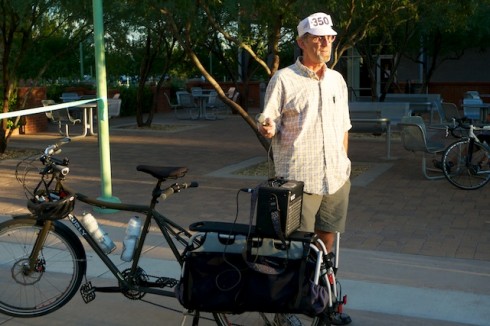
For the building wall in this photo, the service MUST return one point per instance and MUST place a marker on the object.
(453, 77)
(471, 67)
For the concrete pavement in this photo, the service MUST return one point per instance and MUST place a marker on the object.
(415, 251)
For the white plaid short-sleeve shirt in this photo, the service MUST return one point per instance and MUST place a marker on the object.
(312, 117)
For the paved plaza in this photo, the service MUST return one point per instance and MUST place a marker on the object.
(415, 251)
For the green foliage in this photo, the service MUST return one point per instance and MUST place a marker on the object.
(14, 123)
(54, 91)
(129, 101)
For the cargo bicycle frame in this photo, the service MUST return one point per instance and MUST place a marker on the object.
(43, 262)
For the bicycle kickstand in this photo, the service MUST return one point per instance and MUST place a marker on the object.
(195, 317)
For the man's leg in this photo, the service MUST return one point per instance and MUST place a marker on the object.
(328, 238)
(332, 215)
(331, 219)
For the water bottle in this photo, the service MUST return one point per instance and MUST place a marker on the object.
(132, 234)
(102, 239)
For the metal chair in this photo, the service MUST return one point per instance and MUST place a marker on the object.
(114, 106)
(230, 92)
(60, 117)
(196, 91)
(414, 138)
(187, 106)
(174, 107)
(450, 111)
(218, 108)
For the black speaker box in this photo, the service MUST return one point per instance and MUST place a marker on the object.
(279, 196)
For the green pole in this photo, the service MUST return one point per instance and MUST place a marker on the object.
(102, 114)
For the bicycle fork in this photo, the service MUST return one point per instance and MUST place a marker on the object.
(35, 264)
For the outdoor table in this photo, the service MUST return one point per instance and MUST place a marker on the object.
(87, 118)
(387, 123)
(70, 98)
(483, 109)
(202, 99)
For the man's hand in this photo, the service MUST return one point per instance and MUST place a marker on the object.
(266, 126)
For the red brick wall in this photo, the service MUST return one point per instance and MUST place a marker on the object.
(35, 122)
(162, 103)
(454, 92)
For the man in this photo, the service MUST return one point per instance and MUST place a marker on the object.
(306, 115)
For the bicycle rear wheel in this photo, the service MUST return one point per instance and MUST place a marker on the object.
(58, 272)
(269, 319)
(272, 319)
(466, 164)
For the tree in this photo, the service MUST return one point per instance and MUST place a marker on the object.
(142, 35)
(254, 29)
(374, 28)
(23, 25)
(261, 30)
(446, 30)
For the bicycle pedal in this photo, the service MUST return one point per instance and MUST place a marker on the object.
(88, 292)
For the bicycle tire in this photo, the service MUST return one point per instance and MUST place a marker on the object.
(269, 319)
(62, 264)
(261, 318)
(462, 174)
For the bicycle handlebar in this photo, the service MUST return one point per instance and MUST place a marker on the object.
(55, 149)
(466, 124)
(176, 187)
(60, 166)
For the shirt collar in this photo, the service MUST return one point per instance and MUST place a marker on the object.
(308, 72)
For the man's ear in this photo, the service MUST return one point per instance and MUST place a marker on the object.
(301, 42)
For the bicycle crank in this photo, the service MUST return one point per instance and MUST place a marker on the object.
(134, 281)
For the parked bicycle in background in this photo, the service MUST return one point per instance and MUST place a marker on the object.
(466, 163)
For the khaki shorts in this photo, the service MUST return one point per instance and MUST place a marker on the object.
(325, 212)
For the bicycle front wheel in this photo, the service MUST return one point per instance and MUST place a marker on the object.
(466, 164)
(269, 319)
(56, 277)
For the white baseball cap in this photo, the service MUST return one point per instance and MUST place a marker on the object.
(317, 24)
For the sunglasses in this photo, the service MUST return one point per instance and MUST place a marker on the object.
(319, 39)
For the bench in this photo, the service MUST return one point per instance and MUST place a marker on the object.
(420, 103)
(377, 118)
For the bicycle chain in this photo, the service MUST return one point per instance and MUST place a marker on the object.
(161, 280)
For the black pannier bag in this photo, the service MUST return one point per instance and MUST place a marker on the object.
(233, 272)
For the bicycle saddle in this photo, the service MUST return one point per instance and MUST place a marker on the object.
(163, 172)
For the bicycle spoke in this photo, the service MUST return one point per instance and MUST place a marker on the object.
(466, 169)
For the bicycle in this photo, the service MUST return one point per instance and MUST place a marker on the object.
(43, 261)
(466, 163)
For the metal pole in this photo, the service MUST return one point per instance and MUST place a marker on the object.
(102, 114)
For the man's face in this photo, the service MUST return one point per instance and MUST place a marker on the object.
(316, 49)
